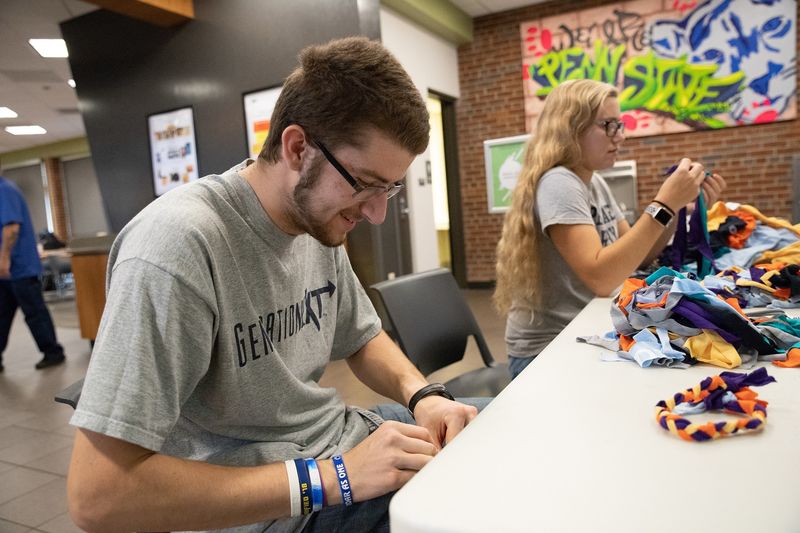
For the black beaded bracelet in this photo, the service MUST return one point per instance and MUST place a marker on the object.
(428, 390)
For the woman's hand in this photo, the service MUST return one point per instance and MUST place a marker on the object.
(683, 185)
(713, 186)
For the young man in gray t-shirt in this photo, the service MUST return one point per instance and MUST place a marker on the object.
(228, 297)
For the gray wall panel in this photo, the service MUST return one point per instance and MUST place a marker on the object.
(126, 69)
(84, 204)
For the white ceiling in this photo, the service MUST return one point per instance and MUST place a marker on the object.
(36, 88)
(477, 8)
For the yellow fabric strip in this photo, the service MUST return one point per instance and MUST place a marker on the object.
(709, 347)
(788, 254)
(719, 212)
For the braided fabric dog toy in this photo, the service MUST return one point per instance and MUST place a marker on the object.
(729, 391)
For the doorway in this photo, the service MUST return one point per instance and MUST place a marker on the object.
(445, 184)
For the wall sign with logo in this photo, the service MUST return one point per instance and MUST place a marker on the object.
(258, 106)
(173, 149)
(504, 158)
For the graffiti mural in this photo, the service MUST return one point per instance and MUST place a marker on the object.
(679, 65)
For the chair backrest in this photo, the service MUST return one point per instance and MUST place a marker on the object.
(431, 319)
(71, 395)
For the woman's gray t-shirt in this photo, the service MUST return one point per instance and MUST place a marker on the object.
(561, 198)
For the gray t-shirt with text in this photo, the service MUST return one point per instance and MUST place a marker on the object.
(561, 198)
(217, 329)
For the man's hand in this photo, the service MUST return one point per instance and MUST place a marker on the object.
(443, 418)
(387, 459)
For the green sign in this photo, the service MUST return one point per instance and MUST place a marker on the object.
(504, 158)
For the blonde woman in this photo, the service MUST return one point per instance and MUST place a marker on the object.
(565, 240)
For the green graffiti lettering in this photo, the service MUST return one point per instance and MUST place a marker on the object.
(607, 61)
(687, 91)
(559, 66)
(545, 72)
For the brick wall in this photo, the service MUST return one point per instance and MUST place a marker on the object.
(755, 160)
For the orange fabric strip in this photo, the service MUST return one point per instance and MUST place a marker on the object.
(625, 343)
(792, 359)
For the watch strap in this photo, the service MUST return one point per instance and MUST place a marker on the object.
(434, 389)
(665, 206)
(660, 214)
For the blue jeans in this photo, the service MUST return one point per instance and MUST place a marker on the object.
(518, 364)
(370, 515)
(26, 293)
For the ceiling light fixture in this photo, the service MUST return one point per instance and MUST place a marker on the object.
(50, 47)
(25, 130)
(6, 112)
(71, 83)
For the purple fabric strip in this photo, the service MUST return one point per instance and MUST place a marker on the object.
(696, 238)
(731, 326)
(700, 318)
(679, 242)
(757, 378)
(715, 400)
(734, 382)
(753, 423)
(756, 273)
(681, 423)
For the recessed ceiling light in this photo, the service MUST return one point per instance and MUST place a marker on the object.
(25, 130)
(50, 47)
(6, 112)
(71, 83)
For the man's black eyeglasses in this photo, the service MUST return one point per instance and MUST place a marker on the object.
(363, 192)
(612, 126)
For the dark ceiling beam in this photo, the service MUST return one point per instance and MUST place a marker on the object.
(164, 13)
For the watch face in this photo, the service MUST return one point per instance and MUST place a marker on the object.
(661, 215)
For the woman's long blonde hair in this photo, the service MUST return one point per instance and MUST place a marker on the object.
(569, 110)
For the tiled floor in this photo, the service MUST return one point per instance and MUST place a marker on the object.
(36, 438)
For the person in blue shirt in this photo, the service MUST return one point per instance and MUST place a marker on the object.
(20, 286)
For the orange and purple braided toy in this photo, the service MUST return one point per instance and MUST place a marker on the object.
(729, 391)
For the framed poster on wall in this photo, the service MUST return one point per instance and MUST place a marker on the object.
(258, 106)
(173, 148)
(503, 159)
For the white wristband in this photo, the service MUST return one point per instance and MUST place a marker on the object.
(294, 487)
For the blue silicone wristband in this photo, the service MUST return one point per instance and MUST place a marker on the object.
(305, 486)
(344, 481)
(316, 485)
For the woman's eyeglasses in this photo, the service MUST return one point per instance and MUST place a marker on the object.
(612, 126)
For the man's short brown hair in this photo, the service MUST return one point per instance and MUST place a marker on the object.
(341, 89)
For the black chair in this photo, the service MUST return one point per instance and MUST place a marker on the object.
(71, 394)
(431, 321)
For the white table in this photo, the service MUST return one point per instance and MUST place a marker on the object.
(572, 445)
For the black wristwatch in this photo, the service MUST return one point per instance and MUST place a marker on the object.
(428, 390)
(660, 213)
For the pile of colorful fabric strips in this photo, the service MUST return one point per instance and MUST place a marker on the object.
(670, 320)
(775, 285)
(741, 236)
(756, 257)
